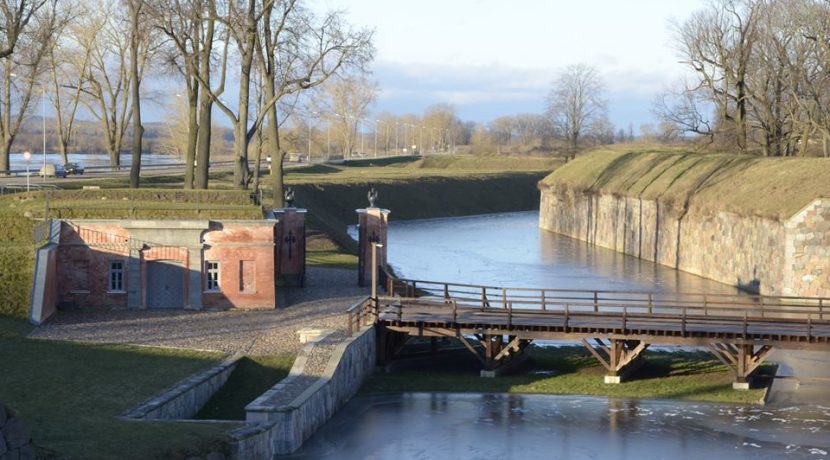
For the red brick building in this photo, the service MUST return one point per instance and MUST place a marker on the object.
(144, 264)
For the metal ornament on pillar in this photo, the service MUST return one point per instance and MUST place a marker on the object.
(372, 226)
(290, 239)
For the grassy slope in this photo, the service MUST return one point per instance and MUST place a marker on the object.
(439, 186)
(747, 185)
(70, 394)
(252, 377)
(571, 370)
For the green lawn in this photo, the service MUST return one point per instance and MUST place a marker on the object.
(571, 370)
(70, 394)
(252, 377)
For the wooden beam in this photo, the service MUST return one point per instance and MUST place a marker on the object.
(597, 355)
(513, 345)
(472, 349)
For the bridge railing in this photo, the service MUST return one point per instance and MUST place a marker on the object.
(609, 302)
(360, 314)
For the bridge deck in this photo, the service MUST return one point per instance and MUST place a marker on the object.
(615, 326)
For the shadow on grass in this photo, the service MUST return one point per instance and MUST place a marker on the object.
(314, 169)
(381, 161)
(252, 377)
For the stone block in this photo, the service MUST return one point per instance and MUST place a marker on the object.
(15, 433)
(27, 453)
(612, 379)
(740, 386)
(312, 335)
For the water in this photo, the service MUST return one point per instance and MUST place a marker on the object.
(501, 426)
(510, 250)
(88, 160)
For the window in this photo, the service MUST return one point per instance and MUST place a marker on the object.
(212, 276)
(116, 279)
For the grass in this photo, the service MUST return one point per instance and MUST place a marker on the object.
(70, 394)
(775, 188)
(571, 370)
(252, 377)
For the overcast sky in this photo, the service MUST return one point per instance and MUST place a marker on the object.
(491, 58)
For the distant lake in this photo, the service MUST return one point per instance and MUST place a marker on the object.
(89, 159)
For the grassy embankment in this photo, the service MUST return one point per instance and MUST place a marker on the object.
(572, 370)
(746, 185)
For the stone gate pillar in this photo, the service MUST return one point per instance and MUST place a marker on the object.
(371, 226)
(290, 246)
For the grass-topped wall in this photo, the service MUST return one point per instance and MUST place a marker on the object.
(775, 188)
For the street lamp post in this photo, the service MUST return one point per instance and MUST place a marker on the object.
(396, 137)
(27, 155)
(377, 122)
(43, 116)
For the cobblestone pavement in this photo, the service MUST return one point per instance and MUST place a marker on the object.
(321, 304)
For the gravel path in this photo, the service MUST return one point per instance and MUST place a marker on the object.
(321, 304)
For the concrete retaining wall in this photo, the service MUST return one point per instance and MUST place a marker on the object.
(184, 399)
(758, 254)
(45, 288)
(279, 428)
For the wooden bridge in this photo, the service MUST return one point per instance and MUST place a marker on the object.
(615, 326)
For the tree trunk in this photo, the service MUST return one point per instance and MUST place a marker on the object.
(5, 148)
(64, 150)
(138, 130)
(192, 135)
(203, 142)
(824, 146)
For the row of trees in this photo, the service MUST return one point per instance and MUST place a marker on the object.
(96, 55)
(760, 76)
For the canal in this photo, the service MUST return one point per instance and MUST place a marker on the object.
(510, 250)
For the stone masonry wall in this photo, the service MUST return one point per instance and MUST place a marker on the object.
(807, 269)
(279, 428)
(184, 399)
(15, 439)
(750, 252)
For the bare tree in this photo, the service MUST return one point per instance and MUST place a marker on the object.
(575, 103)
(68, 66)
(717, 43)
(138, 39)
(343, 103)
(23, 59)
(108, 78)
(14, 20)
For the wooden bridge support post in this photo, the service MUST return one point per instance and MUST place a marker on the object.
(619, 357)
(743, 359)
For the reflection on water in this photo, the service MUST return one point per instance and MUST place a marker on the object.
(452, 426)
(510, 250)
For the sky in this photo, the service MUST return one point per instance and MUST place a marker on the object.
(492, 58)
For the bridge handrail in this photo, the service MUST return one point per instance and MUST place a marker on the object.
(413, 284)
(357, 314)
(557, 307)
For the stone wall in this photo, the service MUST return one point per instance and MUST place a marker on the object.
(15, 439)
(807, 254)
(754, 253)
(278, 426)
(184, 399)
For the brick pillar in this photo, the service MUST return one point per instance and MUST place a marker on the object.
(135, 289)
(195, 264)
(290, 246)
(371, 226)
